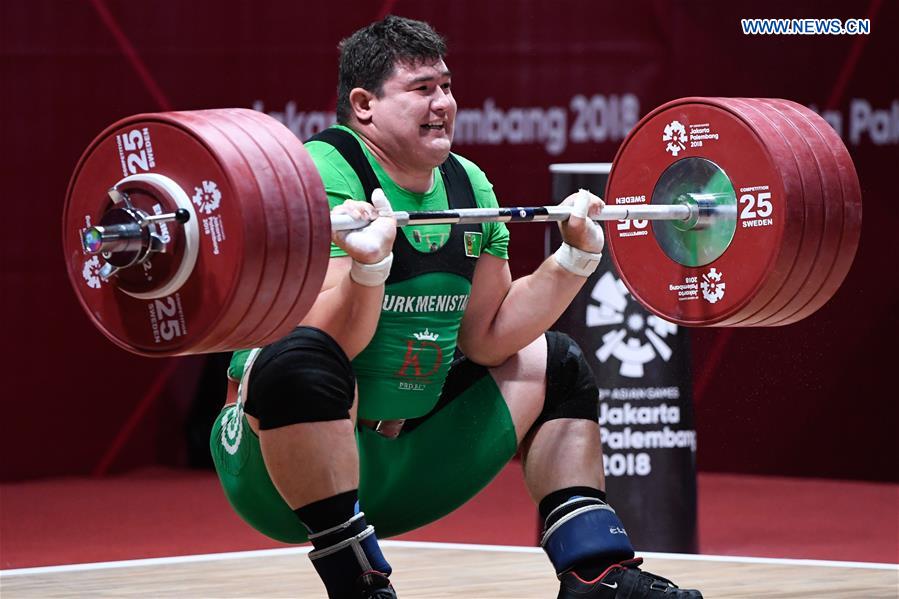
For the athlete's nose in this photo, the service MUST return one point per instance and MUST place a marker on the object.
(442, 101)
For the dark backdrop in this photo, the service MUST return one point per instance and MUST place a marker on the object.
(812, 399)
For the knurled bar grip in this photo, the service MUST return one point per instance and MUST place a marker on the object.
(343, 222)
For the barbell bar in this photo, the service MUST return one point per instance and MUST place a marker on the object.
(694, 210)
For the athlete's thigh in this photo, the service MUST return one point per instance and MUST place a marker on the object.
(245, 479)
(521, 381)
(439, 461)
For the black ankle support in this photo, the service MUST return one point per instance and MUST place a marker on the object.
(345, 555)
(557, 498)
(584, 532)
(329, 512)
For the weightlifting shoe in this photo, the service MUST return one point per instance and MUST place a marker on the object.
(374, 585)
(624, 580)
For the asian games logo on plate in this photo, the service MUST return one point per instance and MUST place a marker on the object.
(676, 135)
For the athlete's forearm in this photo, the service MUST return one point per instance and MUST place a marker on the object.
(346, 310)
(532, 305)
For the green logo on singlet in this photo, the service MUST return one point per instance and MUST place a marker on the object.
(472, 244)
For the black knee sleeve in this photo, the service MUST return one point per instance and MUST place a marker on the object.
(570, 386)
(304, 377)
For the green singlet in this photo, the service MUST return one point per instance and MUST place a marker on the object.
(401, 371)
(458, 447)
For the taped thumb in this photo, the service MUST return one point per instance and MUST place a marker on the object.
(579, 207)
(380, 202)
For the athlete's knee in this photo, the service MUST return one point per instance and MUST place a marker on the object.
(304, 377)
(571, 390)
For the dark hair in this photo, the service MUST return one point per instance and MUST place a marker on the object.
(368, 56)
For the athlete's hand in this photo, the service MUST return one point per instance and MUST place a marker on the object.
(579, 231)
(372, 243)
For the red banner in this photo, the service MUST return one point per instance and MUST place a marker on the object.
(536, 83)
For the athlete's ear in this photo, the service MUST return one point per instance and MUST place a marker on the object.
(361, 104)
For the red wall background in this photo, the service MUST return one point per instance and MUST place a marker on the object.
(816, 398)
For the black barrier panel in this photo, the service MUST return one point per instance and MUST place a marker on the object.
(642, 369)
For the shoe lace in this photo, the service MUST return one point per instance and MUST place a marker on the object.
(375, 585)
(635, 563)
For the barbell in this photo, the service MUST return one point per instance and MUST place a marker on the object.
(205, 231)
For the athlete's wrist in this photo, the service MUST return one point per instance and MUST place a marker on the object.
(371, 275)
(575, 261)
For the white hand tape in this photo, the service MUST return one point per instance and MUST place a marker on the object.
(579, 208)
(575, 261)
(371, 275)
(380, 202)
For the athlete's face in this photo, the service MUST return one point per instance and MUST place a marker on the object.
(413, 119)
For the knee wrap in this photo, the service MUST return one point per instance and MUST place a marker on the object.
(304, 377)
(589, 529)
(570, 386)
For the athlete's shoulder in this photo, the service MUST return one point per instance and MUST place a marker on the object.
(321, 149)
(467, 164)
(333, 168)
(476, 175)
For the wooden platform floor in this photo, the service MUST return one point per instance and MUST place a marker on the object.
(432, 570)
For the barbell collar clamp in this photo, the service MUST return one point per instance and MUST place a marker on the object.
(107, 270)
(128, 236)
(181, 216)
(704, 209)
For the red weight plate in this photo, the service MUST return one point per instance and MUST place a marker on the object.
(295, 235)
(272, 245)
(813, 205)
(316, 202)
(801, 305)
(758, 258)
(207, 125)
(183, 321)
(793, 200)
(852, 206)
(308, 206)
(848, 195)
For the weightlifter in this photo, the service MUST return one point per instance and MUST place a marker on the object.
(422, 367)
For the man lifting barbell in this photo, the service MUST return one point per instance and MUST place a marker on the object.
(361, 415)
